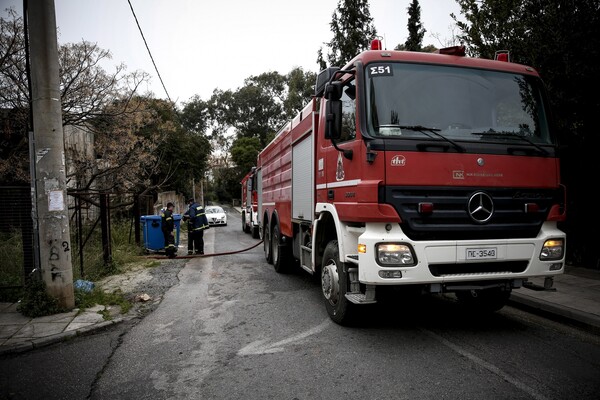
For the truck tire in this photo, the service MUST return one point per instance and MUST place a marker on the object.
(280, 251)
(484, 301)
(267, 244)
(255, 232)
(334, 285)
(245, 226)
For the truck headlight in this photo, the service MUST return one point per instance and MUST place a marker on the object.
(394, 254)
(553, 250)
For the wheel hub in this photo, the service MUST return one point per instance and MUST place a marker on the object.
(330, 282)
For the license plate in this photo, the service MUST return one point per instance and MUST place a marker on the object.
(486, 253)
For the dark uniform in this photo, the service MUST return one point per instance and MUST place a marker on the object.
(197, 223)
(168, 226)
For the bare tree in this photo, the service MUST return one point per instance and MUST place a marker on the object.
(108, 105)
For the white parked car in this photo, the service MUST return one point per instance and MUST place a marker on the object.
(216, 215)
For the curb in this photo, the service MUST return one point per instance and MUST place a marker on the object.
(52, 339)
(554, 311)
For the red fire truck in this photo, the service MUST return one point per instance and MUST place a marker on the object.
(433, 171)
(250, 204)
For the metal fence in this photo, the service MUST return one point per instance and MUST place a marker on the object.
(90, 228)
(16, 236)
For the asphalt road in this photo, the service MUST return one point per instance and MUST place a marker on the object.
(232, 328)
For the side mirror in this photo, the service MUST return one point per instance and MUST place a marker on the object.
(333, 90)
(323, 78)
(333, 119)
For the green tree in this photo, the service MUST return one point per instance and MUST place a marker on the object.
(352, 28)
(254, 110)
(195, 144)
(195, 116)
(414, 42)
(244, 152)
(182, 153)
(300, 89)
(494, 25)
(240, 123)
(561, 39)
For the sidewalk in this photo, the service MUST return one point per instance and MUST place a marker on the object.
(576, 299)
(19, 333)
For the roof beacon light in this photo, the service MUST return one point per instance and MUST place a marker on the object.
(502, 55)
(376, 44)
(453, 51)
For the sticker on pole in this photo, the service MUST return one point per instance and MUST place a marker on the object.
(56, 201)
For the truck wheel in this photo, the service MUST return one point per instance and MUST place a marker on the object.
(255, 232)
(280, 252)
(334, 284)
(487, 300)
(267, 244)
(245, 227)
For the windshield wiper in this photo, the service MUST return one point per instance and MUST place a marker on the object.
(492, 132)
(425, 130)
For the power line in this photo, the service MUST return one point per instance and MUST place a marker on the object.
(148, 48)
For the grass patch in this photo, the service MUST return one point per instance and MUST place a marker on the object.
(11, 266)
(85, 300)
(34, 300)
(94, 266)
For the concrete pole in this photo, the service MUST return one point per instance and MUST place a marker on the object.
(50, 179)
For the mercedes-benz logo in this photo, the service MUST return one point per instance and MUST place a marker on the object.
(481, 207)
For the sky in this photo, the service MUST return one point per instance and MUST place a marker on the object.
(201, 45)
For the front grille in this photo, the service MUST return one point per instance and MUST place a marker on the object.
(450, 219)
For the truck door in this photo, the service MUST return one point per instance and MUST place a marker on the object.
(338, 175)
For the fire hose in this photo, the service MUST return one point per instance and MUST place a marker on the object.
(206, 255)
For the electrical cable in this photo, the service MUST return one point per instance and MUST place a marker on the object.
(148, 48)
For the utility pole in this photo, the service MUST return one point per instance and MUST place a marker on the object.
(50, 174)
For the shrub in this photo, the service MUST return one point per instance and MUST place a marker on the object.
(36, 302)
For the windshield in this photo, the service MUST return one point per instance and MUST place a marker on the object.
(214, 210)
(461, 104)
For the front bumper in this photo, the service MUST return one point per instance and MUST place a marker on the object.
(447, 261)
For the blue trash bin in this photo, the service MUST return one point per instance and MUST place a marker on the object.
(152, 232)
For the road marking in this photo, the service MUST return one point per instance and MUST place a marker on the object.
(490, 367)
(261, 346)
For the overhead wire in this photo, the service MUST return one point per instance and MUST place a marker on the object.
(149, 52)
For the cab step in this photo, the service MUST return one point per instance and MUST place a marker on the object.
(363, 298)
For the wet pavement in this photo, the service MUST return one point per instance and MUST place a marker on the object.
(576, 299)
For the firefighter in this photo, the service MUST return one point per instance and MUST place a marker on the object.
(197, 223)
(168, 227)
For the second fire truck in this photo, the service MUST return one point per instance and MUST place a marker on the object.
(250, 204)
